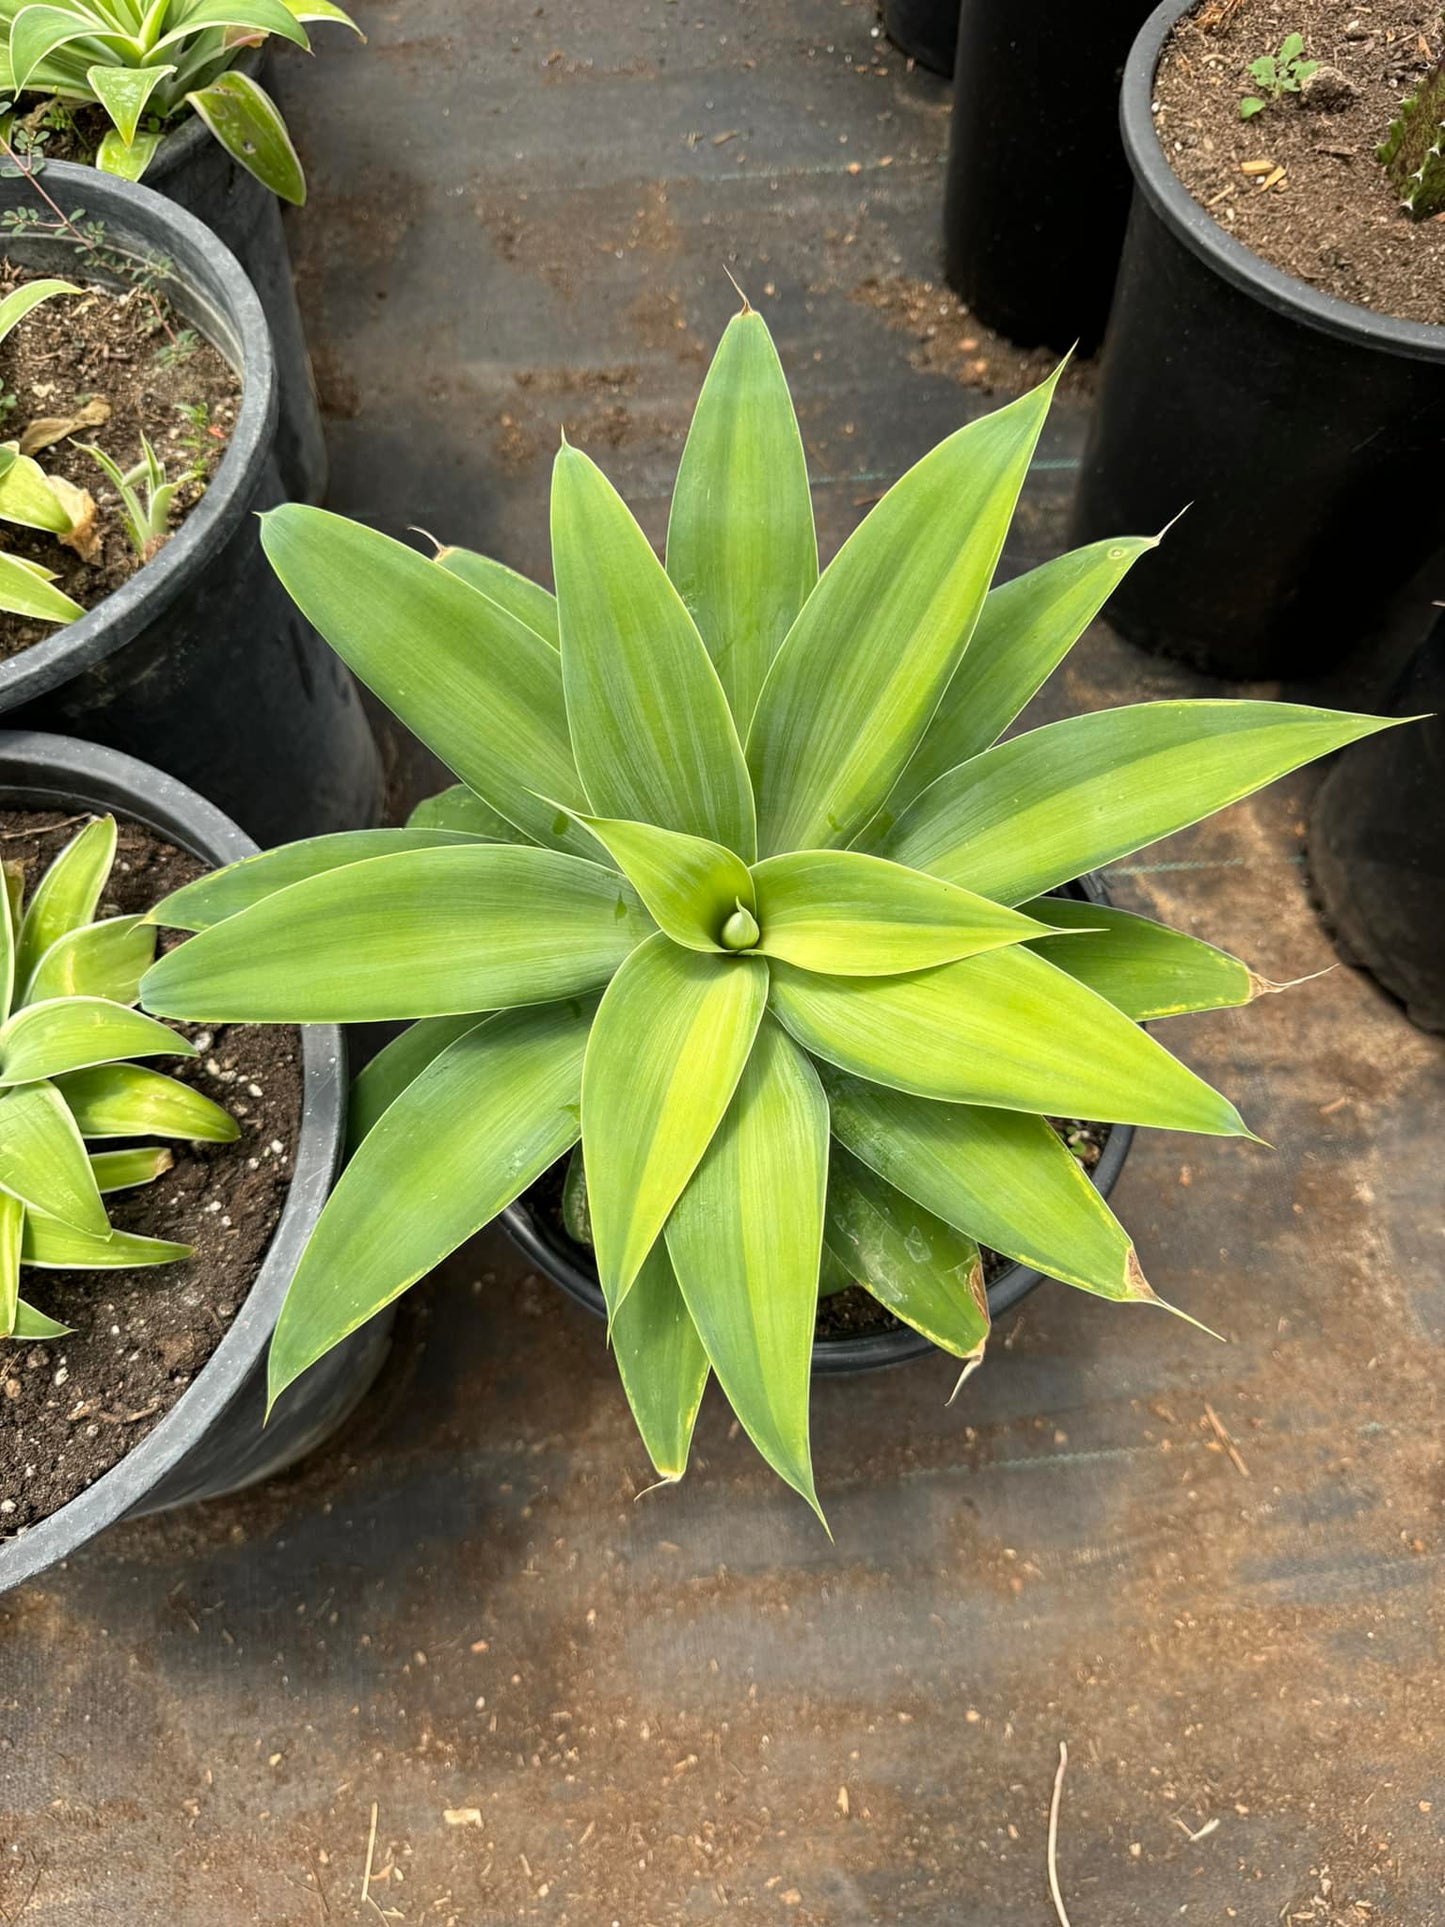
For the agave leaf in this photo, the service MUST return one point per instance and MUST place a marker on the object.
(224, 893)
(851, 690)
(37, 32)
(130, 1100)
(384, 1079)
(833, 1275)
(662, 1362)
(123, 93)
(127, 1170)
(128, 160)
(425, 933)
(740, 543)
(745, 1238)
(248, 124)
(251, 16)
(461, 809)
(1048, 806)
(859, 916)
(57, 1247)
(43, 1161)
(105, 959)
(528, 601)
(67, 895)
(1024, 630)
(926, 1271)
(30, 1323)
(480, 1122)
(28, 590)
(1001, 1177)
(69, 1033)
(20, 301)
(1005, 1029)
(27, 497)
(1144, 969)
(689, 886)
(480, 688)
(671, 1036)
(654, 738)
(12, 1229)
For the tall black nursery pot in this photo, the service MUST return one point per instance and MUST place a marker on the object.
(1037, 190)
(1303, 432)
(200, 663)
(926, 30)
(1377, 844)
(213, 1439)
(571, 1265)
(192, 169)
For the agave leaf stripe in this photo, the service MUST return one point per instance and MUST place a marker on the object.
(654, 738)
(1006, 1029)
(862, 670)
(745, 1240)
(740, 542)
(485, 1118)
(423, 933)
(668, 1045)
(1049, 806)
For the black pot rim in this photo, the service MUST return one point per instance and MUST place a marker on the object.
(570, 1266)
(1172, 202)
(193, 250)
(105, 779)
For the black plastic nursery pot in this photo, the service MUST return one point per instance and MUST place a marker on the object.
(199, 663)
(925, 30)
(1037, 190)
(213, 1439)
(192, 169)
(1303, 433)
(571, 1265)
(1377, 845)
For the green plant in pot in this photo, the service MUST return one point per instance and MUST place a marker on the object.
(738, 888)
(148, 63)
(69, 1038)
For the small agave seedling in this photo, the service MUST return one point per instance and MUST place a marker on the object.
(1413, 153)
(68, 1038)
(34, 500)
(145, 494)
(739, 887)
(147, 62)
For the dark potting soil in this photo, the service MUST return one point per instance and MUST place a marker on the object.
(854, 1311)
(106, 368)
(1323, 208)
(71, 1408)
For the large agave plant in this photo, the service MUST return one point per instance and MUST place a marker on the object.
(739, 888)
(68, 1041)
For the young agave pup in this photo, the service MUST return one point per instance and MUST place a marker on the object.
(739, 887)
(68, 1036)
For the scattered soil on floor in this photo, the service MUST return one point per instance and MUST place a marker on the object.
(1323, 209)
(127, 365)
(70, 1409)
(854, 1311)
(951, 342)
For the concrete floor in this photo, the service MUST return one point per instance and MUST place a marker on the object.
(464, 1627)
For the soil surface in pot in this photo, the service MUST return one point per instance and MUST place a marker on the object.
(1299, 183)
(105, 368)
(852, 1312)
(70, 1409)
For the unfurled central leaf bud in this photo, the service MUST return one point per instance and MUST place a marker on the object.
(741, 931)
